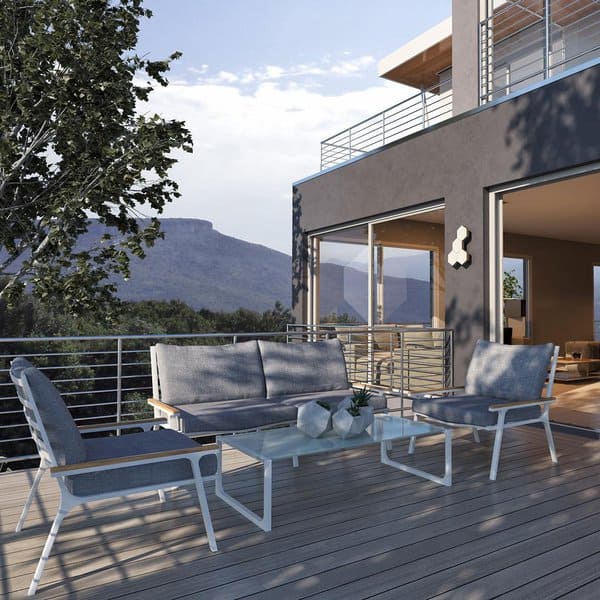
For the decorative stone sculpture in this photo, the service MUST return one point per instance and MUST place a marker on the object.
(313, 419)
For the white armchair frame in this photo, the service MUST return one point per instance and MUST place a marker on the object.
(68, 500)
(502, 409)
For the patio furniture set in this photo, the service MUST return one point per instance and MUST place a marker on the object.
(248, 395)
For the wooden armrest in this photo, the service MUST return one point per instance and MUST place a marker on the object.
(123, 460)
(171, 410)
(120, 425)
(520, 404)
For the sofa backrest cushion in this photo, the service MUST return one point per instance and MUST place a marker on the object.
(64, 437)
(508, 372)
(190, 374)
(305, 367)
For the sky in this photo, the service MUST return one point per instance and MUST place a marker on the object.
(259, 85)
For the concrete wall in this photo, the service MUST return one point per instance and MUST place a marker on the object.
(549, 129)
(562, 287)
(465, 55)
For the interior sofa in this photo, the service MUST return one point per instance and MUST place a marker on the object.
(207, 390)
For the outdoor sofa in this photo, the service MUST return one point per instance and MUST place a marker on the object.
(208, 390)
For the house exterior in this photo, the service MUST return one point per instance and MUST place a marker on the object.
(492, 167)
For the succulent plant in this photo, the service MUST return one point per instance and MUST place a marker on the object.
(361, 397)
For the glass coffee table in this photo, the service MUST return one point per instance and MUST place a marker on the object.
(289, 443)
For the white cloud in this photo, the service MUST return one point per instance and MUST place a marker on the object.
(250, 147)
(327, 66)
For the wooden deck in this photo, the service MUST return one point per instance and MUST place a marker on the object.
(344, 527)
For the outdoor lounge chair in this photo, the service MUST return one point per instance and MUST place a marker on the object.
(100, 468)
(503, 389)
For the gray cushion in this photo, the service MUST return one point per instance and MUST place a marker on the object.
(333, 398)
(508, 372)
(190, 374)
(63, 435)
(298, 368)
(233, 415)
(469, 410)
(142, 475)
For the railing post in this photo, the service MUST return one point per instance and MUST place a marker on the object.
(119, 383)
(547, 36)
(350, 143)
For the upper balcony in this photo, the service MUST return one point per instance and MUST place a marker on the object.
(521, 43)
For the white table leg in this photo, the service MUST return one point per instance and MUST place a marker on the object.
(265, 522)
(447, 477)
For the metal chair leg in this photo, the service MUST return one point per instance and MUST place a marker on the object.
(34, 487)
(161, 496)
(550, 439)
(497, 445)
(212, 543)
(476, 436)
(63, 510)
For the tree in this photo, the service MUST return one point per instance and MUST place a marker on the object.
(73, 146)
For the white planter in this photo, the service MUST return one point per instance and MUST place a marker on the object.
(346, 426)
(313, 420)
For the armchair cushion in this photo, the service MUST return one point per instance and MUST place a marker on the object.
(63, 435)
(125, 478)
(469, 410)
(508, 372)
(303, 367)
(191, 374)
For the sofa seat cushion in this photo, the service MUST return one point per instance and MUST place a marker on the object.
(333, 398)
(233, 415)
(469, 410)
(191, 374)
(508, 372)
(298, 368)
(128, 478)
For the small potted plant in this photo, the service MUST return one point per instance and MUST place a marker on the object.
(314, 418)
(354, 414)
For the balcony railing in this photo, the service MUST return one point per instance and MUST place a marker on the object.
(409, 116)
(107, 378)
(524, 43)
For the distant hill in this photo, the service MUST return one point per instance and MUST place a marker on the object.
(206, 269)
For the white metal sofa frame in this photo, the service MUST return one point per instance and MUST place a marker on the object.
(68, 500)
(502, 408)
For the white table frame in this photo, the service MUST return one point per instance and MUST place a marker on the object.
(265, 522)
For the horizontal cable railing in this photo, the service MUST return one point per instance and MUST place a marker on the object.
(108, 378)
(522, 44)
(409, 116)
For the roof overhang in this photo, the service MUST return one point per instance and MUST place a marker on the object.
(418, 63)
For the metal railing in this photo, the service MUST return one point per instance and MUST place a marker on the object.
(108, 378)
(521, 44)
(414, 114)
(394, 358)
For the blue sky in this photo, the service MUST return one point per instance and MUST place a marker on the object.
(260, 84)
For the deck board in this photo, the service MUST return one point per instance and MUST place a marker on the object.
(344, 526)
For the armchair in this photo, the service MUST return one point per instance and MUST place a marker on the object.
(503, 389)
(99, 468)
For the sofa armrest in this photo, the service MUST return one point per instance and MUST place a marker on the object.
(170, 410)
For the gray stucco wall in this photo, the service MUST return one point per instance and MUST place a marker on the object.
(549, 129)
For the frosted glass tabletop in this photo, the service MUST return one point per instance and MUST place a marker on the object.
(286, 442)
